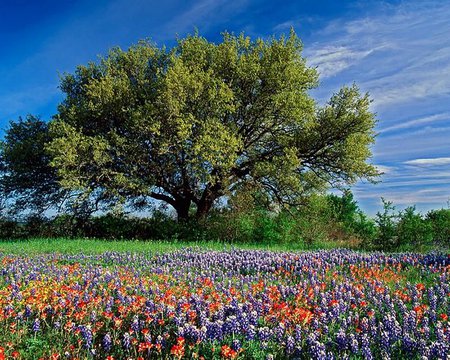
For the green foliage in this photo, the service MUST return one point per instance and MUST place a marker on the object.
(440, 223)
(347, 214)
(412, 229)
(323, 222)
(312, 222)
(27, 181)
(189, 125)
(387, 235)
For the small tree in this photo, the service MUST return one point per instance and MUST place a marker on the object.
(412, 229)
(345, 210)
(387, 227)
(440, 223)
(189, 125)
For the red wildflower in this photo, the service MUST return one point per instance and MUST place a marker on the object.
(177, 350)
(333, 302)
(145, 346)
(227, 352)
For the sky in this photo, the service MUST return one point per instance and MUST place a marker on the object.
(398, 51)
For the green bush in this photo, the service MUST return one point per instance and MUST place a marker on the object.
(349, 217)
(412, 229)
(386, 221)
(439, 221)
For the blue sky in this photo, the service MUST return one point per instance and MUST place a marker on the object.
(398, 51)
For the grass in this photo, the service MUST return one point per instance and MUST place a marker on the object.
(96, 246)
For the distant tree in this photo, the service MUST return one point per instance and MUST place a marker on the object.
(387, 227)
(412, 229)
(346, 211)
(344, 208)
(190, 124)
(28, 183)
(440, 223)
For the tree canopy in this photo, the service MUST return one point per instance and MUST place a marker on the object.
(28, 181)
(191, 124)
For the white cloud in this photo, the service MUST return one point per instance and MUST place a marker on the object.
(331, 60)
(385, 169)
(284, 25)
(429, 162)
(416, 122)
(402, 52)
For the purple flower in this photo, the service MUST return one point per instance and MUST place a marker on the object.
(126, 341)
(86, 334)
(36, 325)
(107, 342)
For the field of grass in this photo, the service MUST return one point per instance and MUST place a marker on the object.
(92, 246)
(97, 246)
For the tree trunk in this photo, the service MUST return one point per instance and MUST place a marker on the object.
(182, 208)
(203, 208)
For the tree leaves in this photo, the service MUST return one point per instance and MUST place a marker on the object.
(190, 123)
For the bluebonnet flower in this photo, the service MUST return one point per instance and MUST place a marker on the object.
(86, 334)
(126, 341)
(107, 342)
(264, 334)
(36, 325)
(365, 347)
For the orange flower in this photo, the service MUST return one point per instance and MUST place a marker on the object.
(185, 306)
(444, 317)
(145, 346)
(177, 350)
(333, 302)
(227, 352)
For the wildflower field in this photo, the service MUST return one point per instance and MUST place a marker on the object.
(233, 304)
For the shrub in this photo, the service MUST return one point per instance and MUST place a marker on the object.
(412, 229)
(386, 238)
(439, 221)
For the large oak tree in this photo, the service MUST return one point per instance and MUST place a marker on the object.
(191, 124)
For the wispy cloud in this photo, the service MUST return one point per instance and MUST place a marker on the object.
(385, 169)
(409, 52)
(417, 122)
(429, 162)
(331, 60)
